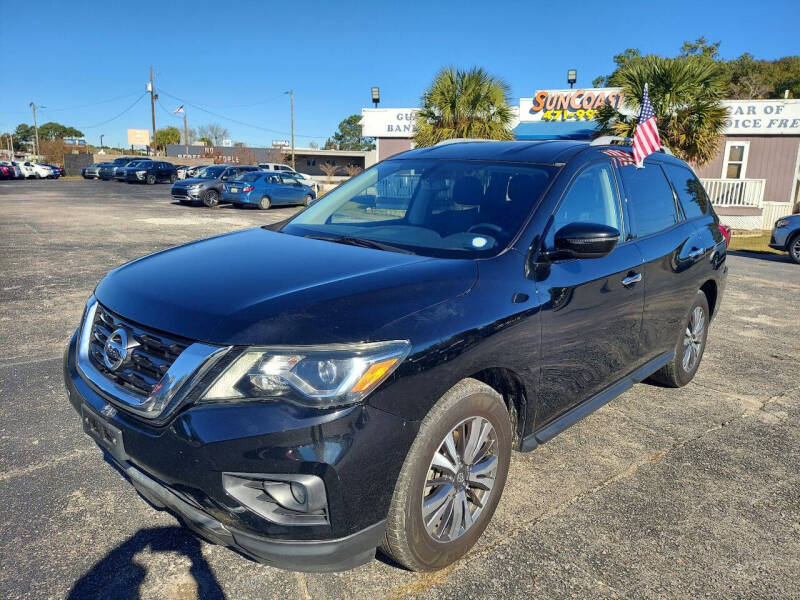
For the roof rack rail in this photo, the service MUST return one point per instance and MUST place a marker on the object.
(616, 140)
(460, 141)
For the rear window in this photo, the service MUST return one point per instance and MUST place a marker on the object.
(650, 198)
(690, 191)
(251, 177)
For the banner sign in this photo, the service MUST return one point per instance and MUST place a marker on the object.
(388, 122)
(568, 105)
(762, 117)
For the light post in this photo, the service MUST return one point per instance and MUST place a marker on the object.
(291, 108)
(376, 96)
(572, 77)
(101, 140)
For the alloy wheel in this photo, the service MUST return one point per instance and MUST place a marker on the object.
(693, 339)
(795, 249)
(460, 479)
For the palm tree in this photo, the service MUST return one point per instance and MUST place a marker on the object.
(685, 93)
(464, 104)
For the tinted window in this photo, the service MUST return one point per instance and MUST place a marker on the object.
(251, 177)
(650, 198)
(591, 198)
(433, 207)
(690, 191)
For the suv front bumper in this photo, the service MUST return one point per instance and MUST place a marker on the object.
(357, 452)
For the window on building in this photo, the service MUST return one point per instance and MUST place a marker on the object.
(311, 162)
(650, 198)
(735, 163)
(690, 191)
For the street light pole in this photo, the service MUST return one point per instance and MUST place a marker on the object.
(153, 110)
(291, 107)
(101, 141)
(35, 128)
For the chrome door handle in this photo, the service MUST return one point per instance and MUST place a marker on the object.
(631, 279)
(697, 253)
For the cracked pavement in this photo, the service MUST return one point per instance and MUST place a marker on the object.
(660, 494)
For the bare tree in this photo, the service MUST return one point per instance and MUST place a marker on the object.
(214, 131)
(353, 170)
(246, 156)
(329, 169)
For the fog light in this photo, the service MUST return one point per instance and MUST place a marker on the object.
(286, 499)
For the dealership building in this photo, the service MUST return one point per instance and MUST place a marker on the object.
(753, 180)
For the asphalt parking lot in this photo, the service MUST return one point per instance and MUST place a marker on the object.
(661, 494)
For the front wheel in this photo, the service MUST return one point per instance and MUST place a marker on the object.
(308, 199)
(794, 248)
(451, 480)
(264, 203)
(689, 348)
(211, 198)
(173, 178)
(151, 179)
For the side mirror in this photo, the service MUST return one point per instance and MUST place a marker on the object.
(224, 178)
(584, 240)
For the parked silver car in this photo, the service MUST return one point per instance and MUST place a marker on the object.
(786, 236)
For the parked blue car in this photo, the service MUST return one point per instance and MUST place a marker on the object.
(786, 236)
(264, 189)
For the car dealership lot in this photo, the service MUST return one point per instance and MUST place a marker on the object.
(662, 493)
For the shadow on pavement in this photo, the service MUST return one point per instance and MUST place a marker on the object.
(783, 258)
(120, 576)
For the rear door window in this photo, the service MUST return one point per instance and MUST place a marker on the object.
(650, 198)
(690, 191)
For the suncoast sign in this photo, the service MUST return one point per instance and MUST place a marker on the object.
(568, 105)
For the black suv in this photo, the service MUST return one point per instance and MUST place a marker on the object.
(358, 375)
(151, 172)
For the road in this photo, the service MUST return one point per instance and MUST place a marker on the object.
(661, 494)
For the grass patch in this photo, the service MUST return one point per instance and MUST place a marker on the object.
(753, 243)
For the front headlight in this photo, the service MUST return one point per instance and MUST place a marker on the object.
(782, 223)
(316, 376)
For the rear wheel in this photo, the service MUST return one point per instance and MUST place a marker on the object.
(451, 480)
(308, 199)
(151, 179)
(794, 248)
(264, 203)
(689, 348)
(173, 178)
(211, 198)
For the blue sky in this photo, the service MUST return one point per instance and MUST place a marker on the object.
(88, 61)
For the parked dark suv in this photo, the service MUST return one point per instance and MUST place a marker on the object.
(151, 172)
(358, 375)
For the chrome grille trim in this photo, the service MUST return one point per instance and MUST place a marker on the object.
(182, 374)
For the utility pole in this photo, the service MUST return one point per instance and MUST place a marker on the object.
(35, 129)
(291, 102)
(153, 97)
(185, 134)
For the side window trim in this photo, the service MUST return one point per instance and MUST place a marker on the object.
(679, 210)
(634, 225)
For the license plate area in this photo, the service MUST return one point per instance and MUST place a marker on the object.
(104, 433)
(234, 190)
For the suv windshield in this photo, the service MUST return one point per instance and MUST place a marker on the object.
(434, 207)
(210, 172)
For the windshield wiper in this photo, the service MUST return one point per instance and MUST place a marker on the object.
(354, 241)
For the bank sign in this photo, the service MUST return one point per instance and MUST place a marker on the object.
(762, 117)
(388, 122)
(568, 105)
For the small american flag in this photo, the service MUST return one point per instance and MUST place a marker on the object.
(178, 110)
(645, 138)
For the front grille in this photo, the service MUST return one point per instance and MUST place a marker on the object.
(177, 191)
(147, 363)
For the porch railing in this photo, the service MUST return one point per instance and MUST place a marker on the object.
(735, 192)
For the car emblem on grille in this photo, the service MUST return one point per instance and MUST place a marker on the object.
(118, 348)
(108, 411)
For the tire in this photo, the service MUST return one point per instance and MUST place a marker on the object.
(407, 539)
(211, 198)
(793, 246)
(264, 203)
(150, 179)
(691, 343)
(173, 178)
(307, 200)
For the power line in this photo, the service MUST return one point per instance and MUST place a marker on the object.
(198, 107)
(135, 102)
(48, 109)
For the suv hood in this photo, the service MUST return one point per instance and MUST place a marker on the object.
(263, 287)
